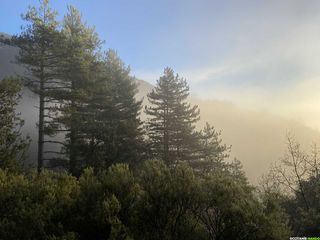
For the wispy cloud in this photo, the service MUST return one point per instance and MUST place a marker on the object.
(259, 55)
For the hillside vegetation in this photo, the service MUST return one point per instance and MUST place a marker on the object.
(109, 162)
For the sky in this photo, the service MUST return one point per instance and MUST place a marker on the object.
(260, 55)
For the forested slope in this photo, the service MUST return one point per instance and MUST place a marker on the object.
(257, 138)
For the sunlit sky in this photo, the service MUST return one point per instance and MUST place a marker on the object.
(261, 55)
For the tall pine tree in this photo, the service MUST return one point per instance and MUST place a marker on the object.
(114, 128)
(36, 44)
(171, 119)
(78, 61)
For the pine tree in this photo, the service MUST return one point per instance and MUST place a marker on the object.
(36, 44)
(12, 145)
(114, 128)
(78, 61)
(211, 153)
(171, 119)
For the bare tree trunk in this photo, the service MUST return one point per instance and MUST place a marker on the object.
(41, 123)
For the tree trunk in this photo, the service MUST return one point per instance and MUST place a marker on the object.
(41, 125)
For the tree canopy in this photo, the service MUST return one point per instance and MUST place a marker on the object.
(117, 177)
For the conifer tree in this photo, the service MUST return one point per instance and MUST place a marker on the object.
(114, 127)
(211, 153)
(78, 60)
(12, 145)
(36, 44)
(171, 119)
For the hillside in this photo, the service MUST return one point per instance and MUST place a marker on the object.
(257, 138)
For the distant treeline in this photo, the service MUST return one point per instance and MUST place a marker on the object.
(117, 177)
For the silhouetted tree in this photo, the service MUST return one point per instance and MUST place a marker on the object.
(36, 52)
(78, 52)
(114, 127)
(211, 153)
(171, 119)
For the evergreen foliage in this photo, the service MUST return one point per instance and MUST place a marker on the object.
(107, 188)
(76, 75)
(156, 203)
(114, 128)
(171, 120)
(12, 145)
(211, 153)
(37, 44)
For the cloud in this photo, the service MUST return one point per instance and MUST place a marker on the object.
(258, 55)
(148, 75)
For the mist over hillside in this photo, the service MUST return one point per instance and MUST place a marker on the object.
(257, 138)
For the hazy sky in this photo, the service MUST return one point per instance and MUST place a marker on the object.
(262, 55)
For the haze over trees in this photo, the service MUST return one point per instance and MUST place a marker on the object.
(116, 177)
(171, 119)
(36, 44)
(294, 182)
(12, 144)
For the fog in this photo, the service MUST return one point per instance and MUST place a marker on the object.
(259, 55)
(257, 136)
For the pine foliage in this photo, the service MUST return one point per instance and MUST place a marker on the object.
(171, 122)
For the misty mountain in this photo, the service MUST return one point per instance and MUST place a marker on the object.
(257, 138)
